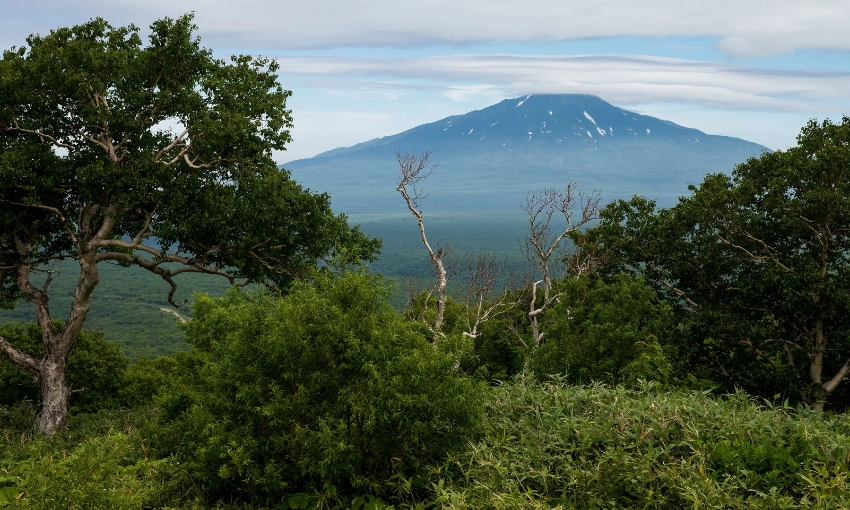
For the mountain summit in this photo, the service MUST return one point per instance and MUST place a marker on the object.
(490, 158)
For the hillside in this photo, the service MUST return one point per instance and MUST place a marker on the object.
(488, 159)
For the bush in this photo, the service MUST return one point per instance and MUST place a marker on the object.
(607, 331)
(326, 390)
(145, 379)
(95, 369)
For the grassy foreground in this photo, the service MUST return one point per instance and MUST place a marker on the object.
(544, 446)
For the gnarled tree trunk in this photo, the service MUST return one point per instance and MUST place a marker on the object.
(49, 370)
(55, 395)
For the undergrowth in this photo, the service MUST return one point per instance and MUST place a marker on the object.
(545, 445)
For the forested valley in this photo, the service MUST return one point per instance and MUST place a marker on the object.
(631, 356)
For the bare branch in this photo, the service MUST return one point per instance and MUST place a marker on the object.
(177, 141)
(578, 208)
(482, 275)
(833, 383)
(413, 168)
(42, 136)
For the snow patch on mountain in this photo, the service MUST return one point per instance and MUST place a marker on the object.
(589, 118)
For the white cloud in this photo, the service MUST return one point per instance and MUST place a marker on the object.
(617, 78)
(746, 28)
(345, 100)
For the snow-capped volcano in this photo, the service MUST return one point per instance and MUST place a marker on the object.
(490, 158)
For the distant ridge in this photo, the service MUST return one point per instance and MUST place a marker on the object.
(489, 159)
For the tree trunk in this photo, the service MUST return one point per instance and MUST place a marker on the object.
(55, 396)
(442, 281)
(535, 332)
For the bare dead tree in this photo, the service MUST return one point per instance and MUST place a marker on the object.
(543, 248)
(485, 298)
(412, 169)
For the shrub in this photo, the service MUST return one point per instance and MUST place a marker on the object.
(606, 331)
(326, 390)
(146, 379)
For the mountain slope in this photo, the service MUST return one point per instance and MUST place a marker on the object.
(489, 159)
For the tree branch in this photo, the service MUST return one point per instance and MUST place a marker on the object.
(54, 210)
(770, 256)
(41, 135)
(19, 358)
(758, 352)
(167, 274)
(833, 383)
(176, 142)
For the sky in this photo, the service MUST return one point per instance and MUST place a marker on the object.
(361, 69)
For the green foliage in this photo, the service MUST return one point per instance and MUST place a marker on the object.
(101, 462)
(607, 331)
(500, 356)
(95, 369)
(157, 156)
(103, 97)
(325, 389)
(146, 379)
(758, 265)
(558, 446)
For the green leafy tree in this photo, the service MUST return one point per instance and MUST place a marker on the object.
(157, 155)
(758, 264)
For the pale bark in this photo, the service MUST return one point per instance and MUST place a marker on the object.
(55, 394)
(412, 169)
(91, 233)
(578, 209)
(482, 275)
(21, 359)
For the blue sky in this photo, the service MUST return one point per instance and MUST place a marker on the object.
(753, 69)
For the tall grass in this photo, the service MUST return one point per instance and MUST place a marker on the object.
(557, 446)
